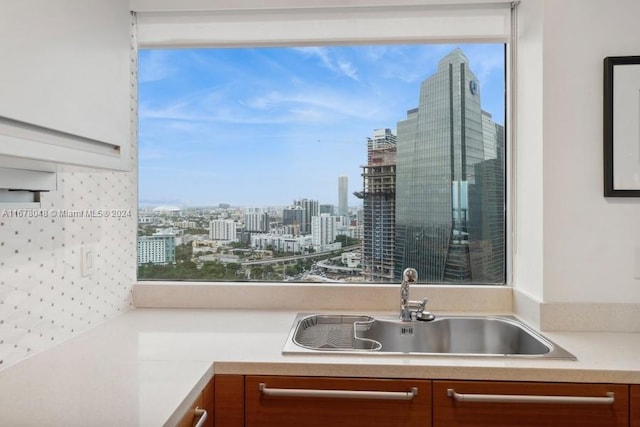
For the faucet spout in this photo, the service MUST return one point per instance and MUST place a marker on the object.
(410, 275)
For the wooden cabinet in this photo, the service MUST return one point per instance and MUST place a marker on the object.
(265, 401)
(315, 402)
(635, 406)
(476, 404)
(203, 401)
(229, 401)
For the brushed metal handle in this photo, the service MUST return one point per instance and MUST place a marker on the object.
(338, 394)
(203, 417)
(519, 398)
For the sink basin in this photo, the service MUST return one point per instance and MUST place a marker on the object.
(446, 335)
(332, 332)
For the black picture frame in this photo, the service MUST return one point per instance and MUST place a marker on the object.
(621, 171)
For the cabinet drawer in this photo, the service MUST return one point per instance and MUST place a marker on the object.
(297, 401)
(635, 405)
(499, 404)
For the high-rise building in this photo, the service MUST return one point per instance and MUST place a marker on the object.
(343, 195)
(324, 229)
(292, 219)
(379, 205)
(328, 209)
(310, 208)
(157, 249)
(256, 222)
(223, 229)
(450, 182)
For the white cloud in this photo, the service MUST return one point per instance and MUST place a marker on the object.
(348, 70)
(340, 67)
(314, 103)
(156, 66)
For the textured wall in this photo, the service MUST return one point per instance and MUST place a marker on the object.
(44, 299)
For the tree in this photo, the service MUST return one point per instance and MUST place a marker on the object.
(268, 271)
(212, 270)
(232, 269)
(239, 245)
(257, 273)
(184, 252)
(146, 230)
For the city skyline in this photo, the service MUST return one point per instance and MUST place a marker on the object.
(209, 118)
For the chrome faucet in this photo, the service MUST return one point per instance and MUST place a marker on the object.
(412, 310)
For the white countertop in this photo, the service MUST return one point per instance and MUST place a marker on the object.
(144, 367)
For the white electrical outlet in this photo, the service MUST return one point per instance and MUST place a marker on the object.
(88, 253)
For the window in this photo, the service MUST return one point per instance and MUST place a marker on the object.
(323, 162)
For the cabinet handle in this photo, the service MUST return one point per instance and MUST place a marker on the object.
(338, 394)
(518, 398)
(203, 417)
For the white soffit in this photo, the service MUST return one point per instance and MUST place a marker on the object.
(168, 23)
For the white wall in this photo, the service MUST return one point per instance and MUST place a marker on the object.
(44, 297)
(588, 241)
(528, 155)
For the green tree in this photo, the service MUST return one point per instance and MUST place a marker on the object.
(232, 269)
(146, 230)
(257, 273)
(213, 270)
(184, 253)
(239, 245)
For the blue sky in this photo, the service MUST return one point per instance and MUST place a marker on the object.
(264, 126)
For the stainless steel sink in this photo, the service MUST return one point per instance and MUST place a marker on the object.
(446, 335)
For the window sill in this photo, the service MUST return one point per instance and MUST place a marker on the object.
(305, 297)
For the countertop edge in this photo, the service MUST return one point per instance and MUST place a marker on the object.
(483, 373)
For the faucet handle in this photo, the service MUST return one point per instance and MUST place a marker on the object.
(425, 316)
(421, 314)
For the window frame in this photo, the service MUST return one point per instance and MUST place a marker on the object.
(154, 30)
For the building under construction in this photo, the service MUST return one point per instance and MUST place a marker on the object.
(379, 202)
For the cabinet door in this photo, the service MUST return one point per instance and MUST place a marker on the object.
(190, 418)
(207, 403)
(316, 402)
(229, 401)
(203, 401)
(498, 404)
(65, 82)
(635, 405)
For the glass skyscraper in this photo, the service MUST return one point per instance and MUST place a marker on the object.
(450, 215)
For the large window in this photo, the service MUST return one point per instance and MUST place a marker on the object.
(323, 163)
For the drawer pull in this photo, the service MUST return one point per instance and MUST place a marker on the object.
(338, 394)
(519, 398)
(203, 417)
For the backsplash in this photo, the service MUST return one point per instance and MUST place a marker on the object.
(44, 297)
